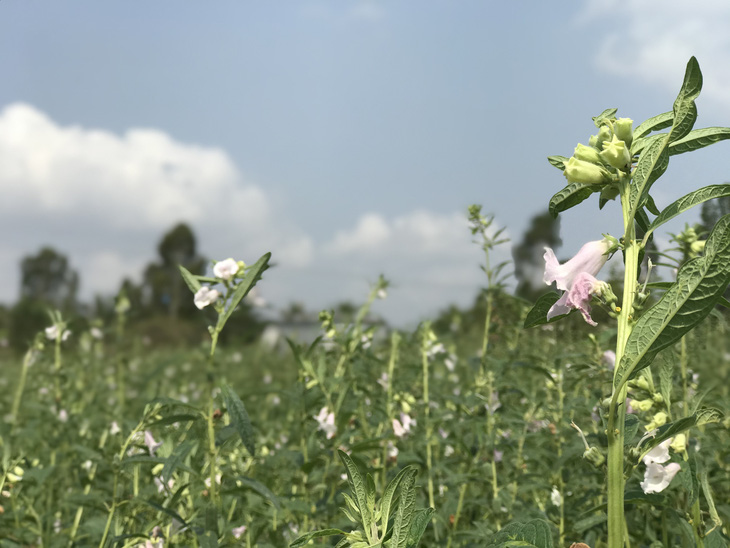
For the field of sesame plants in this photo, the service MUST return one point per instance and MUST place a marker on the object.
(593, 417)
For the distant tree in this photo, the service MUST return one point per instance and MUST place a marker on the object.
(295, 312)
(544, 231)
(164, 289)
(49, 279)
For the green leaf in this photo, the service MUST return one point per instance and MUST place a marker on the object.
(570, 196)
(631, 427)
(304, 539)
(700, 284)
(538, 313)
(257, 487)
(357, 485)
(705, 415)
(534, 533)
(253, 275)
(716, 539)
(387, 499)
(655, 123)
(686, 202)
(190, 280)
(604, 116)
(654, 158)
(176, 458)
(558, 161)
(418, 526)
(685, 111)
(239, 418)
(666, 375)
(405, 511)
(699, 138)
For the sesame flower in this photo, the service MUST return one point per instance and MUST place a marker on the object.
(403, 426)
(53, 331)
(238, 532)
(150, 442)
(576, 277)
(326, 420)
(205, 296)
(555, 497)
(609, 358)
(659, 454)
(658, 477)
(225, 270)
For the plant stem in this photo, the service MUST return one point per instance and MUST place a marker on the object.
(617, 412)
(212, 452)
(427, 418)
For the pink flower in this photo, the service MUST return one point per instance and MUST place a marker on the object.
(576, 278)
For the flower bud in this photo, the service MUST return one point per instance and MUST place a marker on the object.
(622, 129)
(641, 405)
(580, 171)
(587, 154)
(594, 456)
(604, 134)
(679, 444)
(698, 246)
(658, 398)
(616, 154)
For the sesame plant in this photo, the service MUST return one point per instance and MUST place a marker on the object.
(624, 163)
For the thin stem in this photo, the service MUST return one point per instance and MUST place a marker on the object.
(427, 418)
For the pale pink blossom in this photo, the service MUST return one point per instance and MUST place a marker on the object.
(205, 296)
(238, 532)
(150, 442)
(225, 270)
(403, 426)
(609, 358)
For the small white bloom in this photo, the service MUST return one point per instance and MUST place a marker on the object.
(238, 532)
(96, 333)
(381, 294)
(225, 270)
(114, 428)
(658, 477)
(52, 333)
(609, 358)
(326, 420)
(392, 450)
(403, 426)
(205, 296)
(150, 442)
(660, 453)
(383, 381)
(555, 497)
(448, 451)
(161, 484)
(63, 415)
(218, 479)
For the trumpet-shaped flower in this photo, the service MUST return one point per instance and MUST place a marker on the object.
(205, 296)
(52, 333)
(658, 477)
(225, 270)
(403, 426)
(580, 171)
(576, 277)
(659, 454)
(616, 153)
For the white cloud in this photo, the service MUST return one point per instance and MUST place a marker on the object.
(652, 40)
(105, 200)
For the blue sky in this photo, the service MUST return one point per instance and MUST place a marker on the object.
(347, 137)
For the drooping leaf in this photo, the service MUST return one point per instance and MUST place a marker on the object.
(688, 201)
(706, 415)
(700, 284)
(699, 138)
(239, 418)
(570, 196)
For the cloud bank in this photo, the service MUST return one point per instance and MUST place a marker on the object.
(651, 40)
(105, 200)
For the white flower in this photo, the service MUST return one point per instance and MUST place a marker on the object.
(52, 333)
(218, 479)
(96, 333)
(225, 270)
(381, 294)
(326, 420)
(205, 296)
(448, 451)
(114, 428)
(63, 415)
(555, 497)
(150, 442)
(658, 477)
(660, 453)
(161, 484)
(403, 426)
(609, 358)
(238, 532)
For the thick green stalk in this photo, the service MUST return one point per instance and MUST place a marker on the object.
(212, 452)
(617, 411)
(427, 417)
